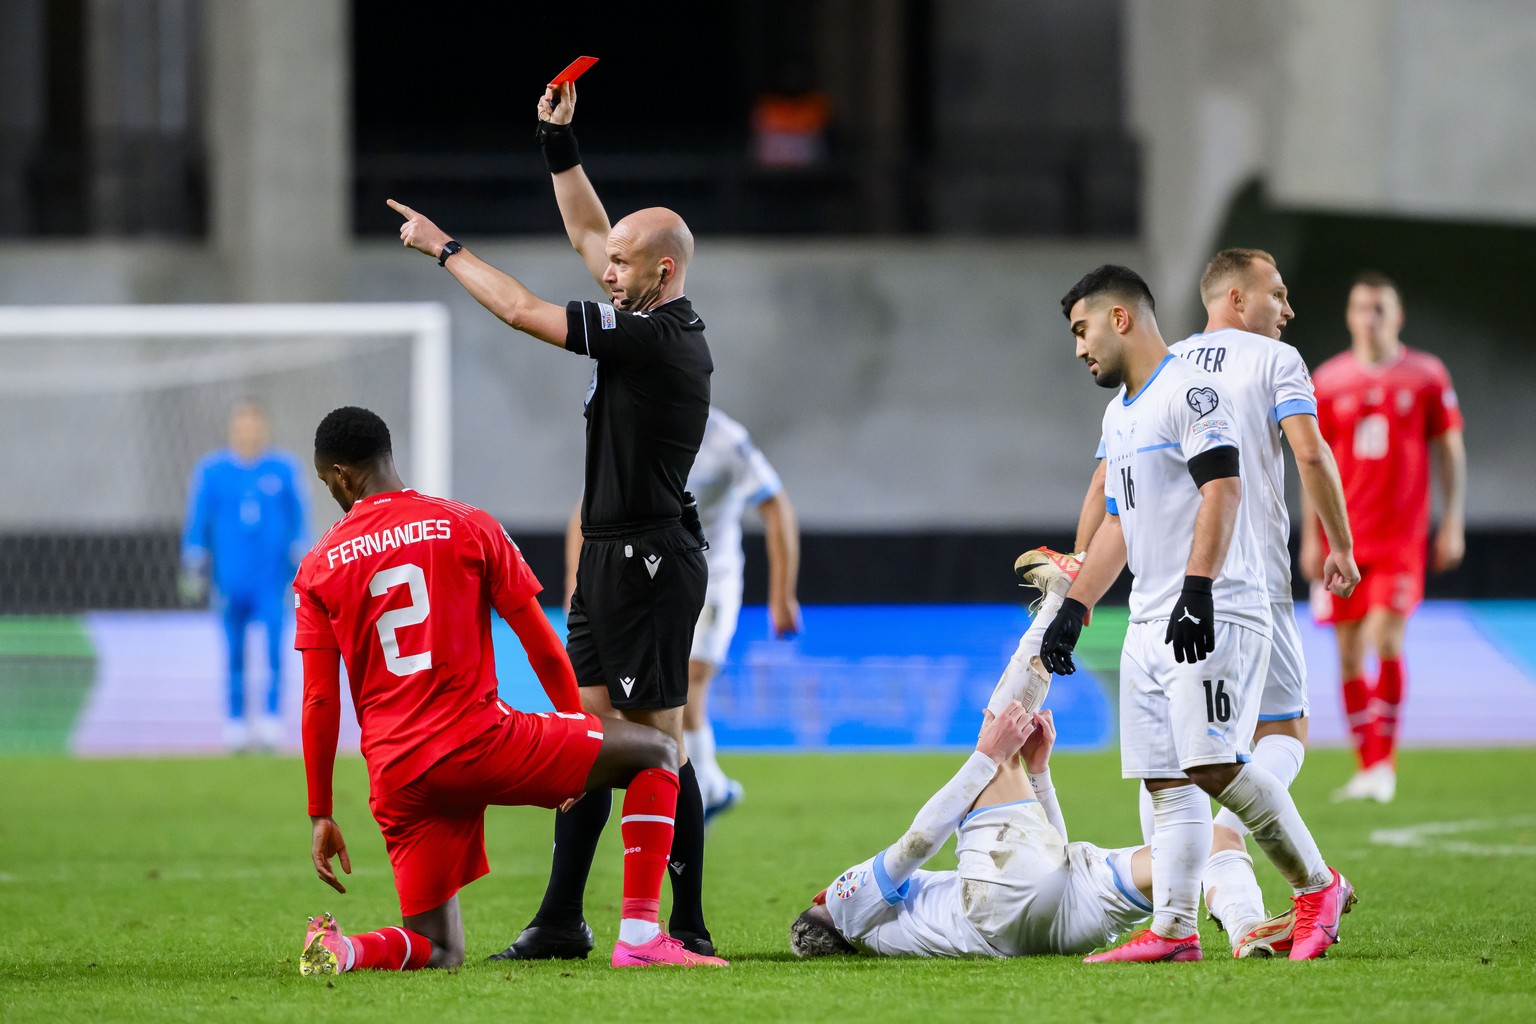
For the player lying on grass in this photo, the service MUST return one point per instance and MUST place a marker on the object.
(401, 589)
(1021, 888)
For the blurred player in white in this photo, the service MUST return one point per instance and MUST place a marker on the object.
(1247, 306)
(729, 474)
(1197, 649)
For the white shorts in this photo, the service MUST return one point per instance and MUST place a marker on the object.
(1175, 716)
(1285, 687)
(716, 626)
(1013, 866)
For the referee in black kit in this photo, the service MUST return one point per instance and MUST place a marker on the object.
(641, 577)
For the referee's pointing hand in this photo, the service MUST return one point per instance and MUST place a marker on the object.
(417, 232)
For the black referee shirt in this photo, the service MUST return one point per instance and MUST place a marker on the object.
(646, 407)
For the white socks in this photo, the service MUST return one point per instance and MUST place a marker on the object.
(1281, 756)
(1181, 845)
(1015, 677)
(1232, 893)
(1263, 804)
(700, 744)
(635, 931)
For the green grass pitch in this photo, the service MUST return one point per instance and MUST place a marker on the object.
(177, 890)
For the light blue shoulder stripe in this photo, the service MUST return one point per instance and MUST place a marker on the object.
(1295, 407)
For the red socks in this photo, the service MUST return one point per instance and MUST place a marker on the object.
(1389, 698)
(1373, 712)
(1357, 710)
(390, 949)
(650, 807)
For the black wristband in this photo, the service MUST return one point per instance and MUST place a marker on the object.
(559, 145)
(449, 248)
(1072, 606)
(1197, 584)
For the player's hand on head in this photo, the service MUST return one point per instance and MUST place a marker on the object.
(1340, 574)
(1061, 638)
(418, 232)
(325, 843)
(564, 110)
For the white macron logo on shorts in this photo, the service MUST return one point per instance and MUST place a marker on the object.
(628, 682)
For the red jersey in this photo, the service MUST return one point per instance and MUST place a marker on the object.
(1379, 421)
(403, 586)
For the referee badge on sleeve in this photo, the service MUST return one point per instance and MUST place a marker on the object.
(606, 318)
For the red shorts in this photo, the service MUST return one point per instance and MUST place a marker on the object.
(434, 827)
(1396, 589)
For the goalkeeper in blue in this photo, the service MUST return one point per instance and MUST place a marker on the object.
(245, 533)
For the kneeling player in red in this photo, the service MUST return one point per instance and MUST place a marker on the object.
(401, 589)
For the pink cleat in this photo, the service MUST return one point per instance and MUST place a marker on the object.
(1317, 918)
(1146, 946)
(662, 951)
(326, 950)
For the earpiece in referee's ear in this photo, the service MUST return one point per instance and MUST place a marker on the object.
(663, 273)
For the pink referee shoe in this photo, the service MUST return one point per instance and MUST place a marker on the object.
(1146, 946)
(662, 951)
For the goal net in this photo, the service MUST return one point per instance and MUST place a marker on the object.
(106, 410)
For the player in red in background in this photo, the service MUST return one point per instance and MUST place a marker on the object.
(1384, 409)
(402, 588)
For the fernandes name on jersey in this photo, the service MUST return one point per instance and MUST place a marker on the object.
(403, 586)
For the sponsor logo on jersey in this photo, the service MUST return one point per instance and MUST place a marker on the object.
(607, 320)
(296, 600)
(1203, 400)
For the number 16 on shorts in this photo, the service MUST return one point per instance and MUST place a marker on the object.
(1218, 704)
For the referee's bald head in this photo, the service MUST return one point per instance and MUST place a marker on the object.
(658, 231)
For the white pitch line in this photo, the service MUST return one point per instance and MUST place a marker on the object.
(1432, 835)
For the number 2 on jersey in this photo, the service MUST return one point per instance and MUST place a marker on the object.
(383, 582)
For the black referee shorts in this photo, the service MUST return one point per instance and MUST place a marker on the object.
(638, 596)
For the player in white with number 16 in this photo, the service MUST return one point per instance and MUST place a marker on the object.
(1197, 648)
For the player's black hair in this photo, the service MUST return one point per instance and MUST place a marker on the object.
(1374, 279)
(811, 936)
(352, 437)
(1113, 280)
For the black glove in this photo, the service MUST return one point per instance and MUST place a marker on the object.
(1192, 627)
(1061, 636)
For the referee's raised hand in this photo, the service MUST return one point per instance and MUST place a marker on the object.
(417, 232)
(558, 103)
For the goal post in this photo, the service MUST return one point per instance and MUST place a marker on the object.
(425, 323)
(106, 409)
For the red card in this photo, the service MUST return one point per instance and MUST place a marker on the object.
(574, 70)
